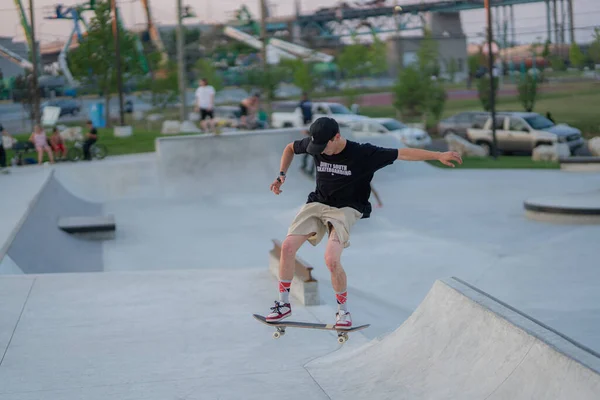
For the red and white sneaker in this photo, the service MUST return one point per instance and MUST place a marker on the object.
(279, 312)
(343, 320)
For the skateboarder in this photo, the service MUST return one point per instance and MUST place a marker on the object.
(344, 172)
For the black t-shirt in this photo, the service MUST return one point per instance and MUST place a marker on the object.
(344, 179)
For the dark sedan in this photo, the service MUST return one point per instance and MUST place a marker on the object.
(67, 107)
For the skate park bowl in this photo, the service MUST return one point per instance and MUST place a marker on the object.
(163, 308)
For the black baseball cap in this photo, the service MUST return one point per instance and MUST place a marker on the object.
(321, 132)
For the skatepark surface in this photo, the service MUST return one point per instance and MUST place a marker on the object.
(164, 310)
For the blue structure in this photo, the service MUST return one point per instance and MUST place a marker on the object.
(97, 115)
(339, 22)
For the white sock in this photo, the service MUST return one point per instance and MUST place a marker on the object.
(284, 291)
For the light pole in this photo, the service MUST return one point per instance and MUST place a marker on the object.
(491, 71)
(115, 27)
(181, 63)
(34, 76)
(265, 64)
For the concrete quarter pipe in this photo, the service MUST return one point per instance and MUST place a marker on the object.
(461, 343)
(39, 246)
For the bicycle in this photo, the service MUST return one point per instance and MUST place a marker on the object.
(97, 151)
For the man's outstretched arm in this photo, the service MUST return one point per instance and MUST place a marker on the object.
(445, 158)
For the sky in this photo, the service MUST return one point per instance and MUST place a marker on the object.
(530, 18)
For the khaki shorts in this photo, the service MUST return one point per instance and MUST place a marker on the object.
(316, 217)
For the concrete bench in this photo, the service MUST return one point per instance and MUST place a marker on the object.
(304, 286)
(97, 227)
(584, 164)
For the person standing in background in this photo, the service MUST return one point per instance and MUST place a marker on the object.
(3, 134)
(205, 105)
(307, 116)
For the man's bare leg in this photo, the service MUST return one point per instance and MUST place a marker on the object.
(333, 254)
(289, 248)
(287, 262)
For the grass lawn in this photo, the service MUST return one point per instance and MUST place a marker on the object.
(505, 162)
(578, 108)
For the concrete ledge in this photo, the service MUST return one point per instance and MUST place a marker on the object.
(580, 164)
(304, 286)
(576, 208)
(94, 228)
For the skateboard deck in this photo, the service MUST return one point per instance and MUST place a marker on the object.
(280, 326)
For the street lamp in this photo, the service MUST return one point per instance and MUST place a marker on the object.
(491, 69)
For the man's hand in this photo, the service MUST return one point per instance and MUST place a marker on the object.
(447, 157)
(276, 185)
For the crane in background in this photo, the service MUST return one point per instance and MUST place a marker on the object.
(27, 33)
(277, 49)
(73, 13)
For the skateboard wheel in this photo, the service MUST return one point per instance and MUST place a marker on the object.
(276, 335)
(341, 340)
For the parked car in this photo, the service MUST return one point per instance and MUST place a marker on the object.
(287, 114)
(522, 132)
(67, 106)
(411, 137)
(459, 123)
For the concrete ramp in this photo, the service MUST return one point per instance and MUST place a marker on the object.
(39, 246)
(461, 343)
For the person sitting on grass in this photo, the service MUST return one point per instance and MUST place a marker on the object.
(58, 144)
(40, 141)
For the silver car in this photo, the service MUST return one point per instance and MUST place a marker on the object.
(459, 123)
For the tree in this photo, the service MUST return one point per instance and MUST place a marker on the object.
(436, 100)
(418, 91)
(546, 51)
(377, 56)
(94, 61)
(302, 74)
(409, 92)
(483, 89)
(528, 91)
(353, 60)
(428, 55)
(576, 56)
(23, 92)
(205, 69)
(594, 50)
(474, 62)
(164, 89)
(557, 63)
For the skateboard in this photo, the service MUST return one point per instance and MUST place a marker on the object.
(280, 327)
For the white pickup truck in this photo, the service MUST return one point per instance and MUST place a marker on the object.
(288, 114)
(522, 132)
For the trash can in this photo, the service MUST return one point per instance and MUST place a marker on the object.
(97, 115)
